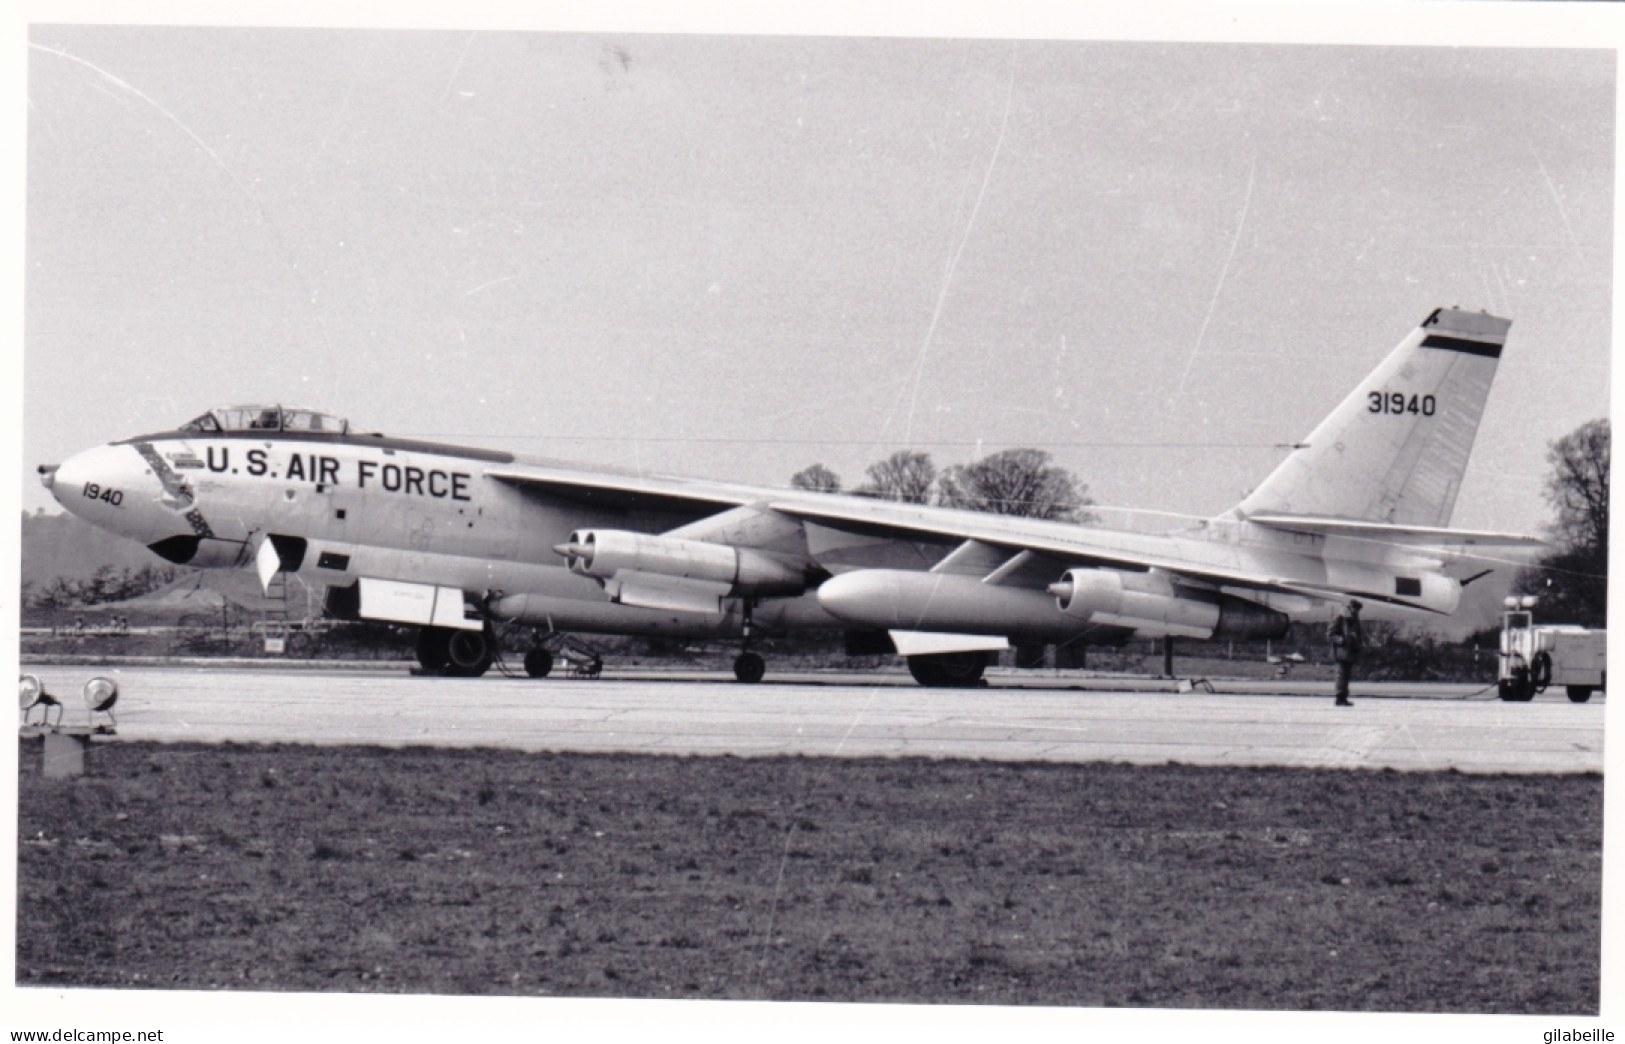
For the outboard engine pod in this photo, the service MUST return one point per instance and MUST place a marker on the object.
(605, 553)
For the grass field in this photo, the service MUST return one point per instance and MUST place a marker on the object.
(496, 872)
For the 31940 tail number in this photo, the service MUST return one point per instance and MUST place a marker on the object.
(1397, 402)
(107, 495)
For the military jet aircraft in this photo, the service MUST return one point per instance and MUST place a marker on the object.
(465, 543)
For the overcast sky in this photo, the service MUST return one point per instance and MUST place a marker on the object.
(734, 256)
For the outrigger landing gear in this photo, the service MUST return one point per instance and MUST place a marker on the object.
(748, 667)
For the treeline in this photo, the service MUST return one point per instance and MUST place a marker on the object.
(1571, 580)
(107, 584)
(1011, 482)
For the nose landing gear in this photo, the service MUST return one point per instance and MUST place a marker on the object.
(572, 662)
(538, 662)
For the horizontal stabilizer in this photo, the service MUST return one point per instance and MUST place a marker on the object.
(1392, 533)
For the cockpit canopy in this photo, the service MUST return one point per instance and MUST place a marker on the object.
(266, 418)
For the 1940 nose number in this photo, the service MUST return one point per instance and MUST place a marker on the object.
(107, 494)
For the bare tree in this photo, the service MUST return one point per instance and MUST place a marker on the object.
(905, 475)
(1016, 482)
(816, 478)
(1572, 581)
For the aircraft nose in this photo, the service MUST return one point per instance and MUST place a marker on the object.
(47, 475)
(113, 487)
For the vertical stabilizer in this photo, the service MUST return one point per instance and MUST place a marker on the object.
(1396, 448)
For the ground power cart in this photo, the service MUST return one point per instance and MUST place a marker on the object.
(1534, 658)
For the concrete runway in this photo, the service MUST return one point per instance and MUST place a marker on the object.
(1019, 717)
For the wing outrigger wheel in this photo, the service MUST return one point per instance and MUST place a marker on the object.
(749, 668)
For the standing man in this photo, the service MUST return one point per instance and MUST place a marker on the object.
(1347, 640)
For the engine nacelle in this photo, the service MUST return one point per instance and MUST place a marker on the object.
(1150, 602)
(603, 553)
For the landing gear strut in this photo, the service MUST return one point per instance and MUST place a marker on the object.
(748, 667)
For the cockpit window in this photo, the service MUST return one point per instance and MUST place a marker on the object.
(310, 420)
(267, 418)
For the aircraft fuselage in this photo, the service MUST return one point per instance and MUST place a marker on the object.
(344, 506)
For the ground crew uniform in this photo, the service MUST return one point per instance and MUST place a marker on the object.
(1347, 640)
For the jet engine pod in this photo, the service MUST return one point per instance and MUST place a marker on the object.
(603, 553)
(1145, 601)
(1151, 602)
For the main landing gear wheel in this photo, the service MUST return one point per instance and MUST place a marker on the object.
(948, 670)
(749, 668)
(1579, 693)
(469, 653)
(432, 649)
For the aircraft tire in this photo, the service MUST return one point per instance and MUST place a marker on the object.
(948, 670)
(468, 654)
(432, 649)
(927, 672)
(1579, 693)
(749, 668)
(538, 662)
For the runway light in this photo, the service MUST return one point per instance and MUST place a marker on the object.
(31, 693)
(101, 694)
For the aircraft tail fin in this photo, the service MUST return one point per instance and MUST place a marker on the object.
(1394, 451)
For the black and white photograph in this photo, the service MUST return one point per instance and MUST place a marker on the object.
(921, 517)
